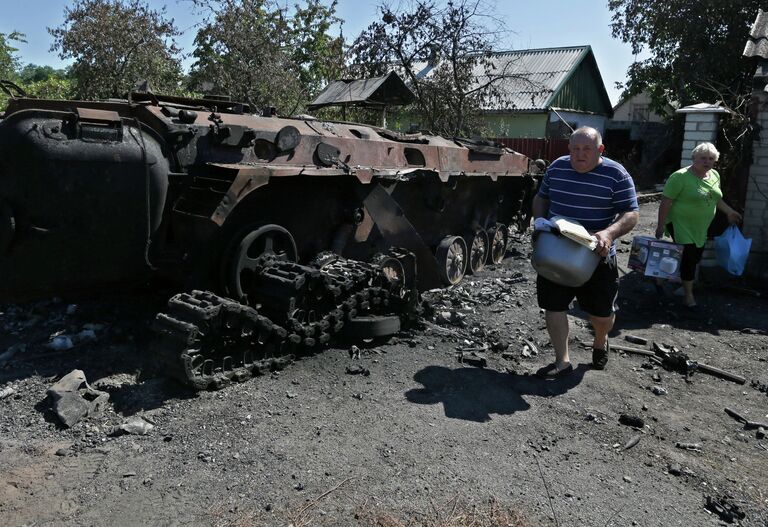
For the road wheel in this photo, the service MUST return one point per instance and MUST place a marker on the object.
(370, 327)
(478, 251)
(498, 237)
(254, 241)
(451, 257)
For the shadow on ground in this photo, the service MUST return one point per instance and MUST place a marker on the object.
(474, 394)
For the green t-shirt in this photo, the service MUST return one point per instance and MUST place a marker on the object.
(694, 202)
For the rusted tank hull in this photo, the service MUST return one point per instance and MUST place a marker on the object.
(94, 193)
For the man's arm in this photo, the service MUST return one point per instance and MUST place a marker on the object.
(623, 224)
(540, 207)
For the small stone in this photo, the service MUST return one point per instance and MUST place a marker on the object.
(299, 486)
(62, 452)
(760, 434)
(134, 425)
(658, 390)
(627, 479)
(290, 395)
(675, 469)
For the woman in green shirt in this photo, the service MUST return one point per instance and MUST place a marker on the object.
(688, 204)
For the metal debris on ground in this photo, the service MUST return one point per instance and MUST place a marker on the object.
(724, 507)
(688, 446)
(748, 424)
(358, 370)
(472, 359)
(631, 420)
(636, 340)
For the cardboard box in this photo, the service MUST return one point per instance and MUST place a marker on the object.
(657, 258)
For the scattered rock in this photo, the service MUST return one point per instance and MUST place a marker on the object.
(61, 342)
(354, 352)
(11, 351)
(658, 390)
(358, 370)
(627, 479)
(6, 392)
(631, 420)
(74, 399)
(675, 469)
(500, 345)
(760, 434)
(134, 425)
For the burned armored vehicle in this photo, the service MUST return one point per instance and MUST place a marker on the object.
(251, 207)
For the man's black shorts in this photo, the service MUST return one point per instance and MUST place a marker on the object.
(597, 297)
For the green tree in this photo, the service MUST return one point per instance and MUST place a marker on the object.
(114, 44)
(454, 41)
(264, 54)
(9, 61)
(695, 47)
(36, 73)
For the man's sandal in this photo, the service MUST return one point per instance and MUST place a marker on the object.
(551, 371)
(600, 356)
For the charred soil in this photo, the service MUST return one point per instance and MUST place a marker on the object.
(398, 432)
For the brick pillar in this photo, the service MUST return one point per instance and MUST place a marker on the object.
(701, 122)
(756, 204)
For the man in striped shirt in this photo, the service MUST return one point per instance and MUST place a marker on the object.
(599, 194)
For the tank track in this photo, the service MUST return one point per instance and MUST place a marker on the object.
(208, 341)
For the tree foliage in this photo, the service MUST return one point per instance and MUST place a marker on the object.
(454, 42)
(261, 53)
(695, 47)
(114, 44)
(9, 61)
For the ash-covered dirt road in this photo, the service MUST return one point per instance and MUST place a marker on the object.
(315, 445)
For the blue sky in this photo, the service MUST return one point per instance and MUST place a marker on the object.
(533, 24)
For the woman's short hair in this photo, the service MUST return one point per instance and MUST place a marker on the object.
(706, 148)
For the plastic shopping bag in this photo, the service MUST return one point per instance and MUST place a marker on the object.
(732, 250)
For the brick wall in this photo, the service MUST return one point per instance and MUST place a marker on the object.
(699, 128)
(756, 204)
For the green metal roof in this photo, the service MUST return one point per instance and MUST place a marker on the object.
(534, 80)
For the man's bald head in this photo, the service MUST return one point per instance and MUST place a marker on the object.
(586, 147)
(587, 131)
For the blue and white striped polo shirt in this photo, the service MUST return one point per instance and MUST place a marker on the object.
(594, 198)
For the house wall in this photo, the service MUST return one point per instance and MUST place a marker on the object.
(516, 124)
(582, 91)
(636, 108)
(576, 119)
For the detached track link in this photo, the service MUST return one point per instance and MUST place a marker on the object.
(207, 341)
